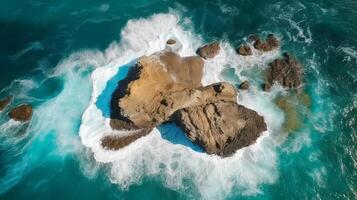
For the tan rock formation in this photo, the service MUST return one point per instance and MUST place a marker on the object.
(221, 127)
(164, 87)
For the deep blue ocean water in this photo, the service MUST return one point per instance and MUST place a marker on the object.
(48, 161)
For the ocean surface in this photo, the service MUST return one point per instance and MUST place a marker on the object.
(65, 57)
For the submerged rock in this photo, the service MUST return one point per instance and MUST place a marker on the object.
(244, 50)
(293, 105)
(269, 44)
(222, 127)
(244, 85)
(4, 102)
(286, 71)
(21, 113)
(209, 50)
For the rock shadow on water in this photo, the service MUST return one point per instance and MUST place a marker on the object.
(107, 101)
(170, 132)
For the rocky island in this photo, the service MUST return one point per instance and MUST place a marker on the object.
(165, 87)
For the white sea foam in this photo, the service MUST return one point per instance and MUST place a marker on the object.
(33, 46)
(228, 58)
(350, 52)
(212, 176)
(229, 10)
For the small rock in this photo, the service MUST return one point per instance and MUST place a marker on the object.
(244, 50)
(171, 41)
(270, 44)
(209, 50)
(173, 45)
(4, 102)
(21, 113)
(286, 71)
(244, 85)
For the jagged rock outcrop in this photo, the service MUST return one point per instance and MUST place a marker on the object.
(244, 85)
(286, 71)
(4, 102)
(209, 50)
(221, 127)
(244, 50)
(21, 113)
(269, 44)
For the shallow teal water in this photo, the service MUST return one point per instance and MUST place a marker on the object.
(48, 161)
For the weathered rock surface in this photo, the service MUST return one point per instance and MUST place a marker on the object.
(209, 50)
(148, 81)
(222, 127)
(244, 50)
(162, 106)
(244, 85)
(21, 113)
(286, 71)
(4, 102)
(269, 44)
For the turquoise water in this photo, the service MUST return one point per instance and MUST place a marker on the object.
(49, 51)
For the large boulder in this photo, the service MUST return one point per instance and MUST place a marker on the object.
(209, 50)
(4, 102)
(286, 71)
(222, 127)
(21, 113)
